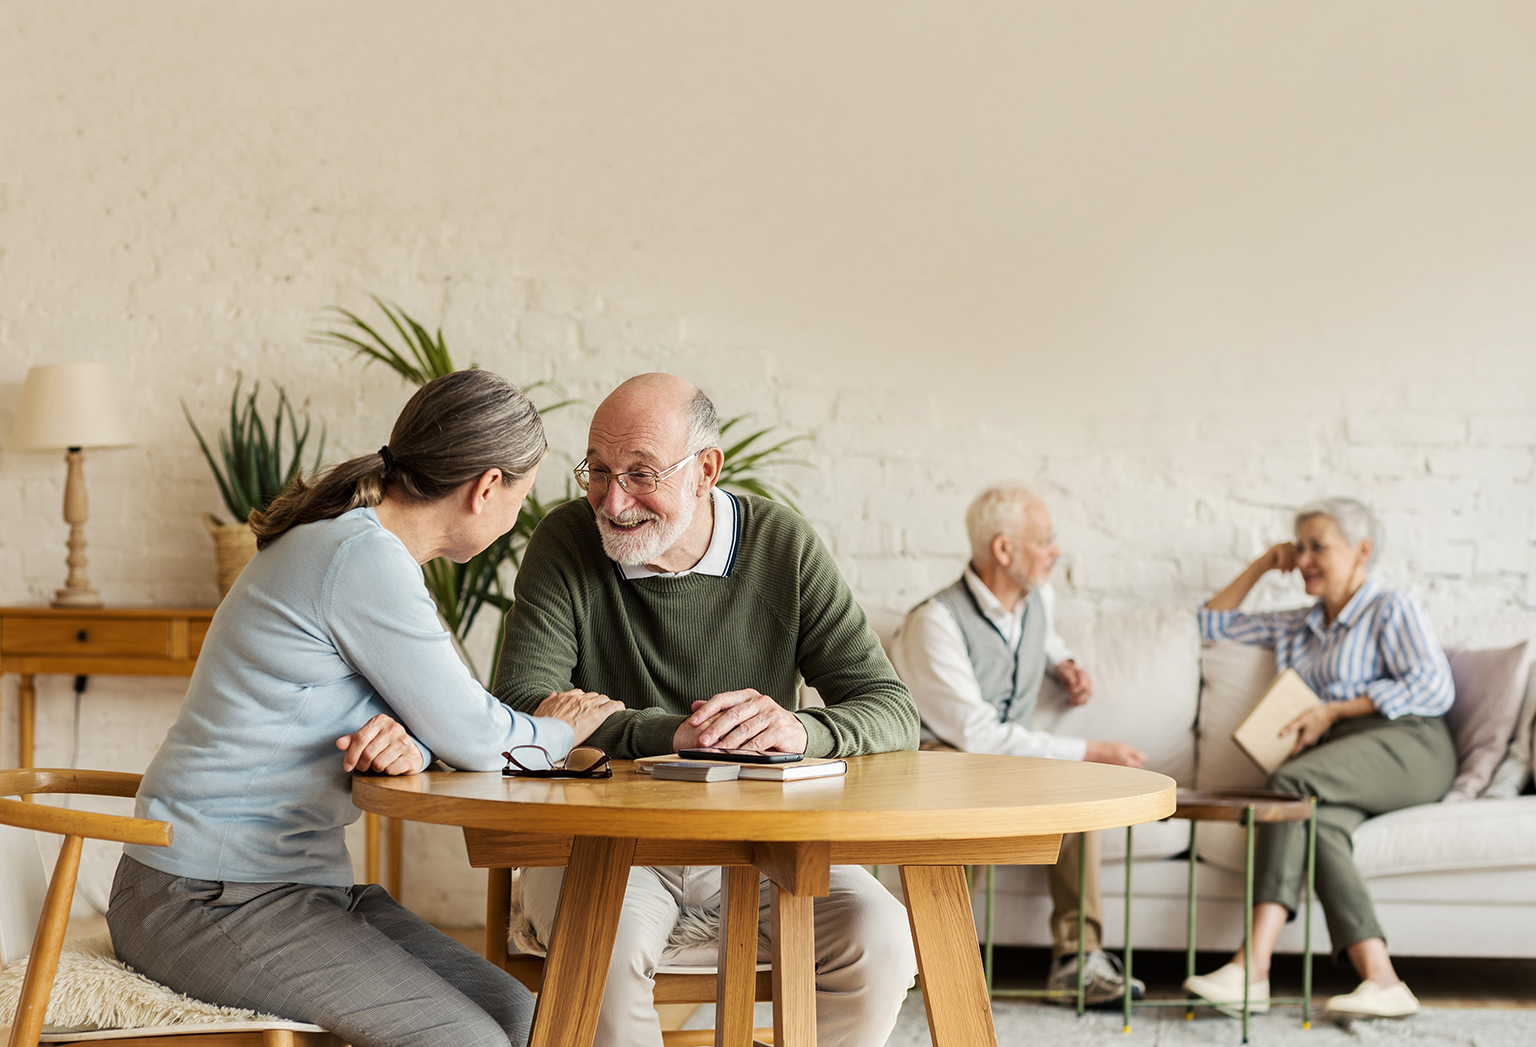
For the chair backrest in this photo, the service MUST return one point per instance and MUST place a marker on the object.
(23, 879)
(23, 884)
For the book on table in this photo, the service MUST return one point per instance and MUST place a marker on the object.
(693, 771)
(1287, 698)
(800, 770)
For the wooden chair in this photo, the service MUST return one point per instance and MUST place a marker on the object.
(23, 903)
(500, 852)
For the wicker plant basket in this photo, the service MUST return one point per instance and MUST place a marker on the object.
(233, 547)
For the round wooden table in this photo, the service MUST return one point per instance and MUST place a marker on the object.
(930, 813)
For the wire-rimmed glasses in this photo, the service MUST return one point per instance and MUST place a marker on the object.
(534, 761)
(636, 481)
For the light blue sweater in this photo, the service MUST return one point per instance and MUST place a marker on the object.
(328, 626)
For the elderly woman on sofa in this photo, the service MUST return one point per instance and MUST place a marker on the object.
(1378, 743)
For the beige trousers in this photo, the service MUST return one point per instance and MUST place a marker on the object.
(1064, 899)
(864, 957)
(1063, 875)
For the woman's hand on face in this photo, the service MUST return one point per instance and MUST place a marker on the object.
(380, 745)
(583, 710)
(1280, 558)
(1310, 727)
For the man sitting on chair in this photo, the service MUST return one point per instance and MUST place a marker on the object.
(974, 655)
(700, 611)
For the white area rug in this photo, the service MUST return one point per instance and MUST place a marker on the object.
(1024, 1024)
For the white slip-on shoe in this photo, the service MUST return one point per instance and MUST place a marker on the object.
(1223, 989)
(1371, 1000)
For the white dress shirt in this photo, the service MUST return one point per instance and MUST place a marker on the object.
(930, 656)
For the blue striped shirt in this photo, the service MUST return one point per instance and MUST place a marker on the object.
(1381, 645)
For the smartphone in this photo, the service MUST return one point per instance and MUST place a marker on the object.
(739, 755)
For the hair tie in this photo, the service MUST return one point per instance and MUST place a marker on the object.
(389, 459)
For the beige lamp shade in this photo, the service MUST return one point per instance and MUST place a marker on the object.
(69, 405)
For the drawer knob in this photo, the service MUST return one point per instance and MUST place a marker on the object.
(83, 635)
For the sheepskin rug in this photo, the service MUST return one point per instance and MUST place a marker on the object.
(95, 990)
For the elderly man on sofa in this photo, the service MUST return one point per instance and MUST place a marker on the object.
(700, 611)
(974, 655)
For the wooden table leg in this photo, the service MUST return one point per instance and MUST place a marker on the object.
(394, 878)
(581, 944)
(800, 873)
(794, 968)
(736, 983)
(371, 823)
(944, 933)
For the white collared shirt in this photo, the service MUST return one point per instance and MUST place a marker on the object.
(719, 558)
(930, 656)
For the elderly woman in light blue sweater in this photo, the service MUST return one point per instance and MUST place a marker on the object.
(327, 657)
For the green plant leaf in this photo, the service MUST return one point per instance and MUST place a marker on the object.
(253, 466)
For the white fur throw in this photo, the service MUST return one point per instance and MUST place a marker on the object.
(694, 941)
(95, 990)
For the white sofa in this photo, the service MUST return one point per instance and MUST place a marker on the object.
(1449, 879)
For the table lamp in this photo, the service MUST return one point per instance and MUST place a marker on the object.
(70, 407)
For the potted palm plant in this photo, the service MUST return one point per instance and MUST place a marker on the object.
(255, 463)
(462, 591)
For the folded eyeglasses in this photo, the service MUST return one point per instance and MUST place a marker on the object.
(534, 761)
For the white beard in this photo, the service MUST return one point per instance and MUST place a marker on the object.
(652, 542)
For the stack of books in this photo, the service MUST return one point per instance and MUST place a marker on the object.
(672, 768)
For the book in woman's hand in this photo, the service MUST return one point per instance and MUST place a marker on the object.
(1259, 735)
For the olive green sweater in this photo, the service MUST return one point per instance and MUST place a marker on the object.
(660, 644)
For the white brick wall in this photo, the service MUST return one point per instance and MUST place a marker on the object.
(1118, 296)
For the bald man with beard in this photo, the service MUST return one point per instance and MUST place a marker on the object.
(700, 611)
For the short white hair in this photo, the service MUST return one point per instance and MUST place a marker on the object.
(703, 423)
(998, 510)
(1355, 519)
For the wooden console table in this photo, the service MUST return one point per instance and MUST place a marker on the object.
(123, 641)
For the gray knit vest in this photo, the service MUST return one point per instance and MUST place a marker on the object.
(1009, 680)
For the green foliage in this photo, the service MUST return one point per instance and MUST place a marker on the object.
(745, 464)
(462, 591)
(256, 467)
(424, 358)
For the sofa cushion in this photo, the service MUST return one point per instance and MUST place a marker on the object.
(1233, 678)
(1145, 666)
(1515, 771)
(1490, 688)
(1438, 837)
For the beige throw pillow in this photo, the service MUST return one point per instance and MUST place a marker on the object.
(1490, 689)
(1233, 679)
(1515, 771)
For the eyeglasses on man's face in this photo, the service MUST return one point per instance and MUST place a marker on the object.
(636, 481)
(534, 761)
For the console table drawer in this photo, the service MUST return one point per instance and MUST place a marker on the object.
(87, 637)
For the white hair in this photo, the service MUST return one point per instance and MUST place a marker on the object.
(1355, 520)
(703, 423)
(998, 510)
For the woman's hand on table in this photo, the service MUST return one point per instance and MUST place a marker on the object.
(381, 745)
(585, 711)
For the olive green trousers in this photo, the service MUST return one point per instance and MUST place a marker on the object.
(1362, 767)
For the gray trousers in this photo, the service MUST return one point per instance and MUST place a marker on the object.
(1364, 767)
(865, 961)
(352, 960)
